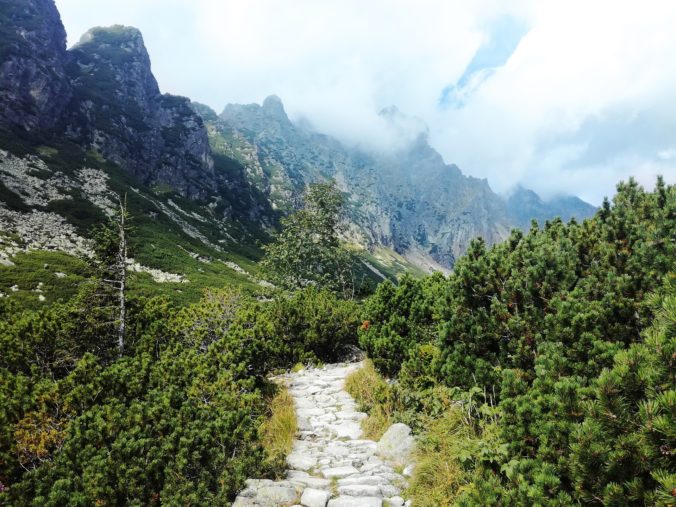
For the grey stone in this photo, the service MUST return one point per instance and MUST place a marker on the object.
(339, 472)
(354, 501)
(373, 480)
(277, 495)
(314, 498)
(360, 490)
(300, 461)
(397, 444)
(389, 490)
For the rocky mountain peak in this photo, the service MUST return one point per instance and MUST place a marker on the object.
(524, 205)
(268, 119)
(125, 37)
(118, 110)
(115, 53)
(272, 105)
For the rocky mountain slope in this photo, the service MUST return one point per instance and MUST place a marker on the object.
(407, 199)
(98, 106)
(101, 94)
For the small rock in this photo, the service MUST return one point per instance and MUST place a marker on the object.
(396, 444)
(396, 501)
(14, 288)
(41, 298)
(389, 490)
(359, 490)
(408, 471)
(314, 498)
(347, 429)
(277, 495)
(352, 501)
(300, 461)
(372, 480)
(58, 274)
(339, 472)
(241, 501)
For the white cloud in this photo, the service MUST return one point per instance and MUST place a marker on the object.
(583, 101)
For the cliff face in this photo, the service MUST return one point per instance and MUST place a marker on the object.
(117, 108)
(101, 94)
(34, 89)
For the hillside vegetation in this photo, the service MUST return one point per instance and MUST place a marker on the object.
(541, 372)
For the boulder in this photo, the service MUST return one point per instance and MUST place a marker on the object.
(396, 445)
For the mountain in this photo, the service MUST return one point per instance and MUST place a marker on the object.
(524, 205)
(101, 94)
(117, 109)
(407, 199)
(79, 126)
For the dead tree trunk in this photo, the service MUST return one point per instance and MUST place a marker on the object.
(122, 270)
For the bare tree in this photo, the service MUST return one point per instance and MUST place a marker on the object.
(112, 254)
(122, 270)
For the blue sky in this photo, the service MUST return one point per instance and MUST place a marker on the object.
(562, 97)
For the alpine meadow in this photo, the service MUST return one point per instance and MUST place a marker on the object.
(303, 303)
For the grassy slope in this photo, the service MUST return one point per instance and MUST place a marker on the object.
(156, 240)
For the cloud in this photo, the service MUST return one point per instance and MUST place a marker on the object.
(502, 39)
(559, 96)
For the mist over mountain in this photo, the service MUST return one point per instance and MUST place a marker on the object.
(251, 161)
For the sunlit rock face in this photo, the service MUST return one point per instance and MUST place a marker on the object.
(118, 109)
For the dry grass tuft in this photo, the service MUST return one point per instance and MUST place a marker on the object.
(373, 395)
(439, 476)
(278, 431)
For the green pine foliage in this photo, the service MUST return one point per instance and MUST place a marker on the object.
(179, 419)
(547, 341)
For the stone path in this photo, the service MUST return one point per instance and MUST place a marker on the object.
(330, 465)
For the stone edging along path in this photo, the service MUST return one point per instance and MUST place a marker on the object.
(330, 464)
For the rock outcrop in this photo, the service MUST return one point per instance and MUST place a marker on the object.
(117, 109)
(103, 95)
(34, 88)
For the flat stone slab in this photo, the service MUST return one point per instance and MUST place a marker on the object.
(314, 498)
(339, 472)
(355, 501)
(301, 461)
(360, 490)
(276, 495)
